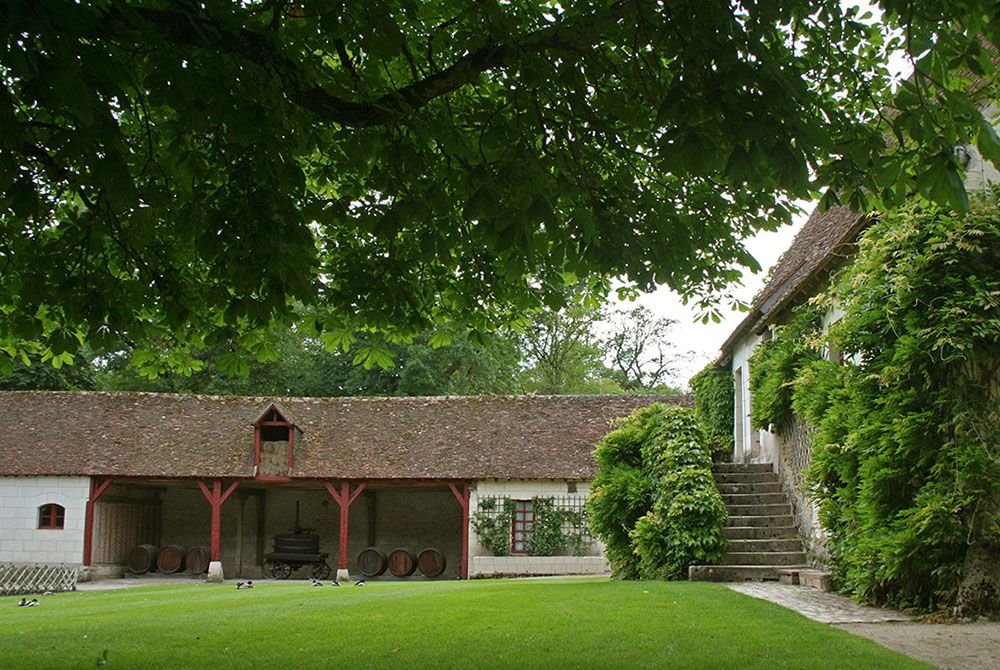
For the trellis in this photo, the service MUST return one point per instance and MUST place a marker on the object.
(579, 526)
(23, 579)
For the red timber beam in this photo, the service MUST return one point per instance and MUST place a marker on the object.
(344, 499)
(97, 488)
(216, 497)
(463, 500)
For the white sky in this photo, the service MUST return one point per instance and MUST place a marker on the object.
(704, 339)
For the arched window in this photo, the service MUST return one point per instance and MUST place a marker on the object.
(51, 516)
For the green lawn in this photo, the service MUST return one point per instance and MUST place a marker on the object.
(468, 625)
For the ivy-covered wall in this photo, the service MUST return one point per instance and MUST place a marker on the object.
(906, 433)
(713, 403)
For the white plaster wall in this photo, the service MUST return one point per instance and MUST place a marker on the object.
(980, 173)
(21, 541)
(482, 563)
(742, 452)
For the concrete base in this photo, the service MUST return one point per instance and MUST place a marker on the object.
(214, 573)
(342, 575)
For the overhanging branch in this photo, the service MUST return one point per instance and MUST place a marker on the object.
(199, 31)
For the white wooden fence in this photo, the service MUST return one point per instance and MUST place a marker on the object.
(23, 579)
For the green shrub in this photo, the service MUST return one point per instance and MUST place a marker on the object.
(713, 390)
(661, 517)
(775, 364)
(906, 453)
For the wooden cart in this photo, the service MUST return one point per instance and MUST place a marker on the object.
(282, 565)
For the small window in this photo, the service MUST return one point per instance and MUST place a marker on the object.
(570, 487)
(51, 516)
(524, 521)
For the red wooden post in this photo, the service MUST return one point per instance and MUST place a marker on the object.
(97, 489)
(215, 498)
(463, 500)
(344, 499)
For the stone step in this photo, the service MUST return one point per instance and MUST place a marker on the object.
(782, 508)
(761, 520)
(817, 579)
(746, 478)
(765, 544)
(764, 557)
(742, 467)
(749, 487)
(733, 573)
(754, 498)
(761, 532)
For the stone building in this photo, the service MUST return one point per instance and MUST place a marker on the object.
(85, 477)
(825, 244)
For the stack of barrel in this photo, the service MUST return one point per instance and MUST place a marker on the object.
(167, 560)
(401, 562)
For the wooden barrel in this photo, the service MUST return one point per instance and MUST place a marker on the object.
(140, 559)
(170, 558)
(371, 562)
(402, 562)
(431, 562)
(197, 560)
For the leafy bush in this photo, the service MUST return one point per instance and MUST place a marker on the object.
(775, 364)
(906, 453)
(653, 502)
(713, 403)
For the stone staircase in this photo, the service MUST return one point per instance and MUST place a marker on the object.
(763, 540)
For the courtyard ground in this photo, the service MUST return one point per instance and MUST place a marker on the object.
(482, 624)
(952, 646)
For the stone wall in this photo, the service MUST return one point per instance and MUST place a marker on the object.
(21, 541)
(794, 457)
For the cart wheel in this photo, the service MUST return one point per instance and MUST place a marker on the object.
(281, 571)
(320, 570)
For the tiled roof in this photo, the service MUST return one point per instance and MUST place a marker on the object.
(165, 435)
(824, 242)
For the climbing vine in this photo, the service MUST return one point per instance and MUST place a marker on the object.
(906, 440)
(713, 403)
(492, 523)
(559, 526)
(776, 362)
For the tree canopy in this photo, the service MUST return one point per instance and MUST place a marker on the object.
(185, 175)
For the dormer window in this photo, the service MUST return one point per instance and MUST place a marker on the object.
(276, 437)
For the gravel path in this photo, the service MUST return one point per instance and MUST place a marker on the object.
(966, 646)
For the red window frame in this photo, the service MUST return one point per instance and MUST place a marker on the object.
(521, 523)
(51, 516)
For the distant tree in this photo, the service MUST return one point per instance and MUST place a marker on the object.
(562, 352)
(302, 366)
(39, 375)
(489, 367)
(639, 351)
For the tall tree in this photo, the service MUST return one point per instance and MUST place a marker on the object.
(639, 351)
(562, 351)
(184, 174)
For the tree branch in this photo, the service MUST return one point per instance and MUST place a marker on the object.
(200, 31)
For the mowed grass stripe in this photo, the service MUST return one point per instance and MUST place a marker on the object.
(480, 624)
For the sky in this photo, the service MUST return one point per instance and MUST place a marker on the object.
(702, 341)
